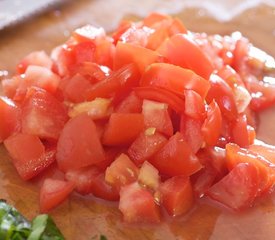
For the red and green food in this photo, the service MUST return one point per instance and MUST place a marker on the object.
(152, 116)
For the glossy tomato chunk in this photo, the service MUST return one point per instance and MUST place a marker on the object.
(9, 120)
(146, 145)
(176, 195)
(123, 129)
(121, 172)
(176, 158)
(28, 154)
(53, 192)
(238, 189)
(137, 205)
(156, 116)
(42, 114)
(79, 145)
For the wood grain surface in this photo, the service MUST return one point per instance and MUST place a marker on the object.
(85, 218)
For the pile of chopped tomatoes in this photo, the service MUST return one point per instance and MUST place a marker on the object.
(153, 116)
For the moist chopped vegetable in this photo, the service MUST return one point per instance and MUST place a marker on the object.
(152, 116)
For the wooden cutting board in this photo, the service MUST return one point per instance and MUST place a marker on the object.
(85, 218)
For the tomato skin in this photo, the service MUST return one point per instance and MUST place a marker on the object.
(53, 192)
(137, 205)
(156, 115)
(123, 128)
(9, 121)
(212, 126)
(120, 81)
(145, 146)
(174, 78)
(182, 51)
(161, 95)
(242, 178)
(154, 18)
(78, 135)
(176, 195)
(28, 154)
(42, 114)
(176, 158)
(127, 53)
(121, 172)
(221, 92)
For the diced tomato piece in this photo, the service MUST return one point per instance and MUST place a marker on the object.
(156, 115)
(53, 192)
(75, 88)
(146, 145)
(194, 105)
(263, 149)
(221, 92)
(240, 131)
(10, 118)
(42, 114)
(154, 18)
(79, 145)
(149, 176)
(137, 205)
(88, 33)
(123, 26)
(182, 51)
(176, 158)
(174, 78)
(176, 195)
(212, 126)
(238, 189)
(127, 53)
(39, 77)
(161, 95)
(28, 154)
(191, 130)
(9, 86)
(121, 172)
(266, 170)
(119, 83)
(38, 58)
(123, 129)
(130, 104)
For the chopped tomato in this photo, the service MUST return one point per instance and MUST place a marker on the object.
(78, 145)
(146, 145)
(221, 92)
(88, 33)
(156, 116)
(42, 114)
(121, 172)
(212, 126)
(9, 120)
(130, 104)
(28, 154)
(154, 18)
(138, 205)
(38, 58)
(182, 51)
(90, 180)
(174, 78)
(176, 158)
(161, 95)
(127, 53)
(149, 176)
(123, 128)
(263, 149)
(240, 133)
(243, 178)
(53, 192)
(194, 105)
(119, 82)
(176, 195)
